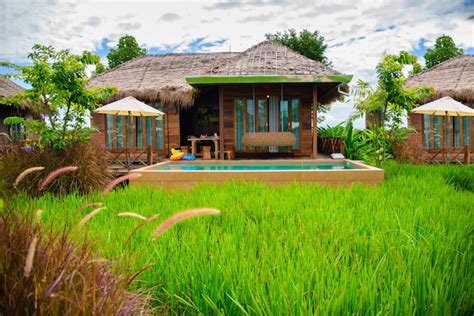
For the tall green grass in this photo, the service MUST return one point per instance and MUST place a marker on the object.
(403, 247)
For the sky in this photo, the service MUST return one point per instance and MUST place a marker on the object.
(358, 33)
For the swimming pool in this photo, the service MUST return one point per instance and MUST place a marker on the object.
(187, 173)
(186, 166)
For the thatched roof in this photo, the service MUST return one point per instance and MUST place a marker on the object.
(454, 78)
(8, 88)
(159, 77)
(163, 77)
(269, 58)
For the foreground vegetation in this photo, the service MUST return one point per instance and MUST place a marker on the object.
(404, 247)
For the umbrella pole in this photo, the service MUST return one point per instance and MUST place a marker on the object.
(127, 157)
(168, 131)
(445, 154)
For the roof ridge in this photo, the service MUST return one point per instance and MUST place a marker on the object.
(460, 75)
(250, 54)
(288, 49)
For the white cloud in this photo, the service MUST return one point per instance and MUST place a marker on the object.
(355, 46)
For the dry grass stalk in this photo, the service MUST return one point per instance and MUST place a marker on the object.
(38, 214)
(131, 214)
(86, 218)
(147, 220)
(30, 257)
(55, 174)
(182, 216)
(26, 172)
(83, 207)
(112, 184)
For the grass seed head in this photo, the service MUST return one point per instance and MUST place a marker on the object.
(86, 218)
(26, 172)
(53, 175)
(182, 216)
(83, 207)
(112, 184)
(131, 214)
(30, 257)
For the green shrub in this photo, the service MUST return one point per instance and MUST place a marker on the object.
(331, 131)
(43, 273)
(92, 172)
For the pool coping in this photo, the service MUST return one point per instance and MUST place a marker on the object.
(187, 178)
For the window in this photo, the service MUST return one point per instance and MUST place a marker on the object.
(262, 116)
(284, 116)
(160, 142)
(129, 128)
(120, 132)
(295, 121)
(250, 128)
(16, 132)
(149, 131)
(110, 131)
(426, 130)
(456, 132)
(239, 123)
(447, 131)
(465, 131)
(139, 134)
(436, 131)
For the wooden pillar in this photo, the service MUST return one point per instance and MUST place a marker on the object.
(315, 121)
(221, 122)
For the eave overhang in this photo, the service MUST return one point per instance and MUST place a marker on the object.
(269, 79)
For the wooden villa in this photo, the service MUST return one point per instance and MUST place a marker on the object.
(268, 89)
(454, 78)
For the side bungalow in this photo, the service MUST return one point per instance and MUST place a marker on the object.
(454, 78)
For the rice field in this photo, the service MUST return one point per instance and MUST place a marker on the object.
(403, 247)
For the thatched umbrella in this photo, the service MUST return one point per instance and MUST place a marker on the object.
(446, 107)
(128, 106)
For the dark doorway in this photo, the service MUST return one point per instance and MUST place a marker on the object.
(203, 117)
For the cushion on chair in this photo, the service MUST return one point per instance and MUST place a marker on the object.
(269, 139)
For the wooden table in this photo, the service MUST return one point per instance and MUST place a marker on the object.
(195, 140)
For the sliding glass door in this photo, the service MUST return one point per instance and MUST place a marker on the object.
(266, 114)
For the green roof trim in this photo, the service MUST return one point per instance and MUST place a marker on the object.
(268, 79)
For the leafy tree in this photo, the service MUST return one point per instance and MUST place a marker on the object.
(59, 93)
(444, 49)
(126, 50)
(391, 100)
(309, 44)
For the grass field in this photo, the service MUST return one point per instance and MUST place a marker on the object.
(403, 247)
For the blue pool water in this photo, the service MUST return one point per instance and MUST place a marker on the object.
(182, 166)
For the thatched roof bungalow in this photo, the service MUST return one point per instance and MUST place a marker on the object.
(267, 88)
(454, 78)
